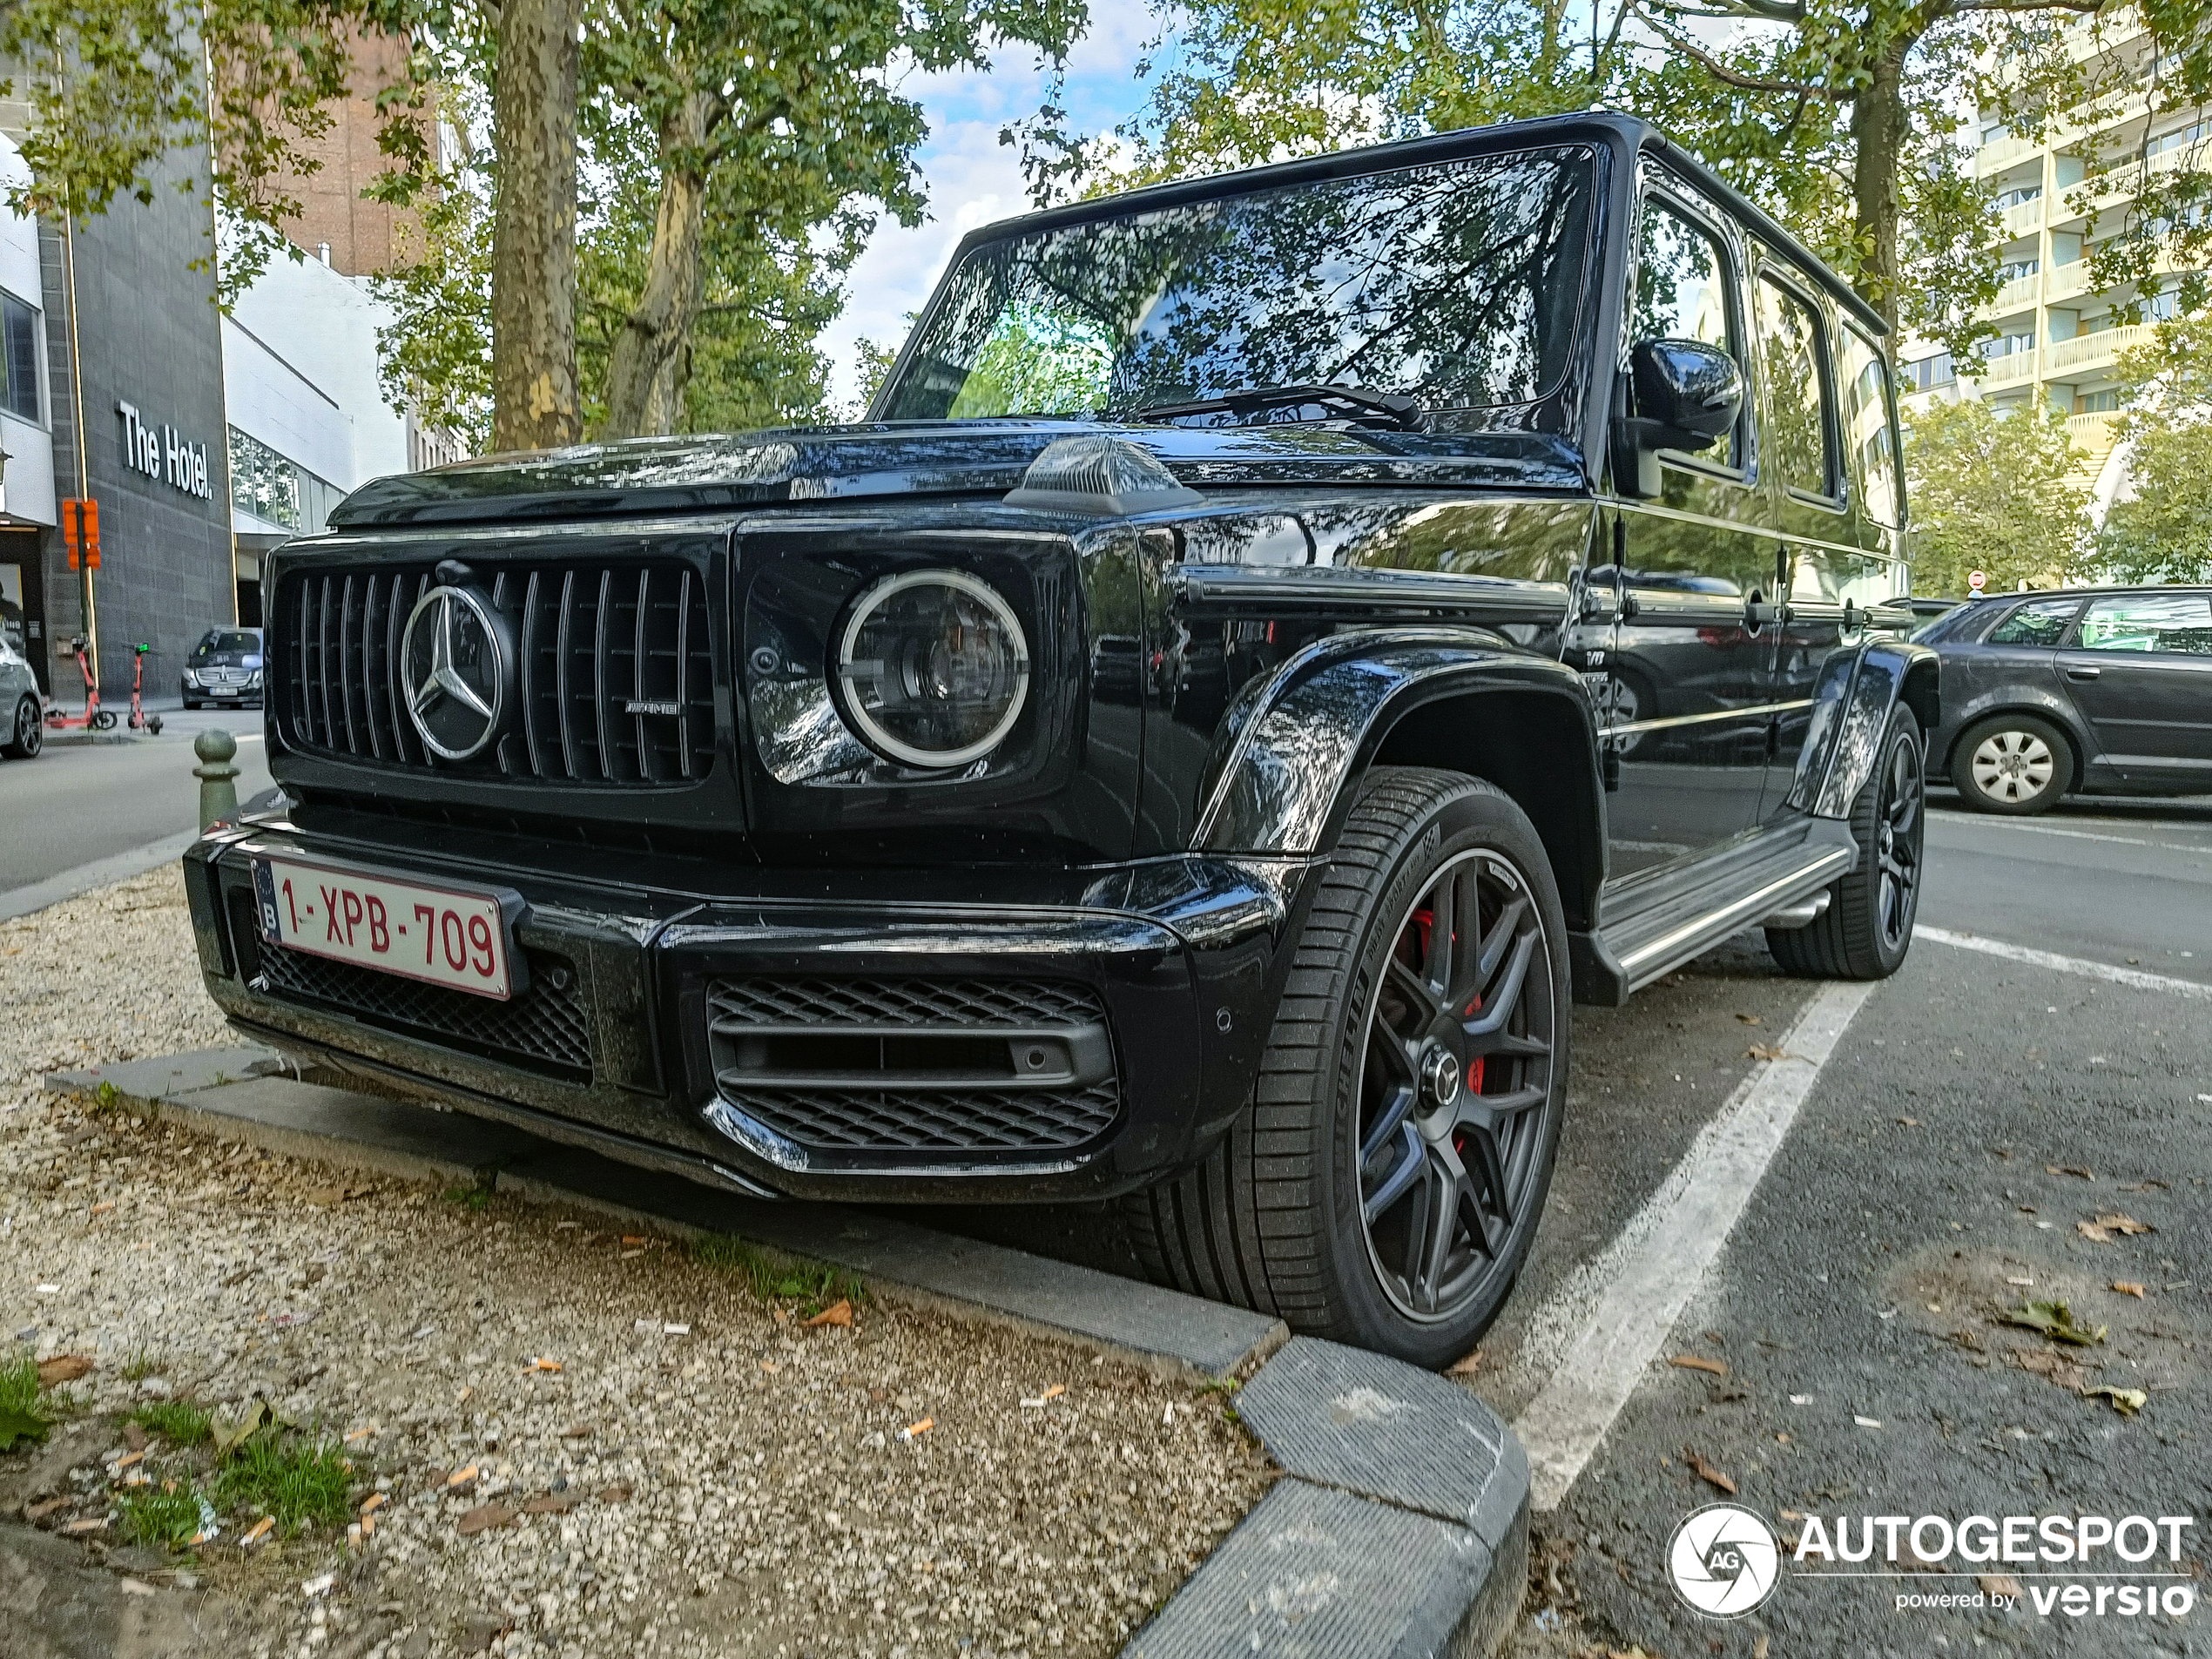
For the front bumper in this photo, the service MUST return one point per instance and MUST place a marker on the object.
(1176, 960)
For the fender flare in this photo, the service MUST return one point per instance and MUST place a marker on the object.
(1851, 710)
(1293, 748)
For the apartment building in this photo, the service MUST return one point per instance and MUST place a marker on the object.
(2058, 338)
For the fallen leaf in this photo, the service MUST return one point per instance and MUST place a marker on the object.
(1698, 1362)
(229, 1436)
(2067, 1168)
(1467, 1365)
(1764, 1051)
(1707, 1474)
(618, 1493)
(2095, 1234)
(551, 1503)
(135, 1437)
(483, 1518)
(2052, 1366)
(838, 1313)
(2054, 1320)
(2129, 1287)
(1751, 1019)
(2000, 1584)
(63, 1367)
(2126, 1225)
(2126, 1402)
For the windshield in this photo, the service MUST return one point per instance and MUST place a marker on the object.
(217, 640)
(1457, 284)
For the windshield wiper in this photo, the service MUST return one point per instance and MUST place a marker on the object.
(1405, 413)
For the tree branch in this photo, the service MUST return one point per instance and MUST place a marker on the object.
(1729, 77)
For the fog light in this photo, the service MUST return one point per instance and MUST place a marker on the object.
(934, 666)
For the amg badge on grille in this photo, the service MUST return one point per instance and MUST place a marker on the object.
(653, 706)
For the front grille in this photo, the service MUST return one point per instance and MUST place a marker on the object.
(545, 1028)
(978, 1121)
(613, 684)
(909, 1067)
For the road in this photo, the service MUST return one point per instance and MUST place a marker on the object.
(77, 805)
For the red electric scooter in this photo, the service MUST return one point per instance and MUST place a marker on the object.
(140, 717)
(95, 718)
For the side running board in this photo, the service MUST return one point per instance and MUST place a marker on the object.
(1656, 929)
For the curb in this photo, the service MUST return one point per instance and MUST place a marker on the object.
(1400, 1531)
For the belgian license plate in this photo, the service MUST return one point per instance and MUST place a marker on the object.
(226, 691)
(452, 936)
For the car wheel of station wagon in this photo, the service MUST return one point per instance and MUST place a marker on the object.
(1384, 1184)
(1867, 928)
(2012, 763)
(27, 730)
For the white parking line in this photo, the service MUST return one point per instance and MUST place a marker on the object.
(1980, 823)
(2134, 976)
(1664, 1251)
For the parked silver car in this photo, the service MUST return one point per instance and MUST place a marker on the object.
(22, 728)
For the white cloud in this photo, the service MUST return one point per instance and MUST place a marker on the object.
(972, 179)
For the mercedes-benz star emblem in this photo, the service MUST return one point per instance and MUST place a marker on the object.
(452, 672)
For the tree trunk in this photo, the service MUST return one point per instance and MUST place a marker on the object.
(1878, 130)
(644, 389)
(533, 273)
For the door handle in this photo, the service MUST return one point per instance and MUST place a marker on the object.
(2083, 673)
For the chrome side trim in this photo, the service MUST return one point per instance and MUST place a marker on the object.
(1634, 726)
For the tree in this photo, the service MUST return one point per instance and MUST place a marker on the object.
(1989, 490)
(2163, 530)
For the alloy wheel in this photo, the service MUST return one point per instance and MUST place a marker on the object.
(2013, 766)
(1898, 838)
(30, 729)
(1454, 1084)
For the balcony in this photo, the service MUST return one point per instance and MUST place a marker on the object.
(2062, 281)
(2002, 152)
(2008, 370)
(2017, 295)
(2092, 433)
(2098, 350)
(2024, 219)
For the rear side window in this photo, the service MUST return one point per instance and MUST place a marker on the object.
(1797, 394)
(2039, 622)
(1681, 293)
(1868, 435)
(2175, 621)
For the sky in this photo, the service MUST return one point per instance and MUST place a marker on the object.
(971, 178)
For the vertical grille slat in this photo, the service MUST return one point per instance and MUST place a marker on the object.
(614, 675)
(683, 674)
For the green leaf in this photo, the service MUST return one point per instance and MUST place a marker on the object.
(2054, 1320)
(20, 1423)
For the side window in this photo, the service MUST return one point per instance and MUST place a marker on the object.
(1868, 432)
(20, 325)
(1797, 446)
(2175, 621)
(1683, 294)
(1830, 575)
(2039, 622)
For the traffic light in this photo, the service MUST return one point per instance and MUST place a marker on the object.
(81, 532)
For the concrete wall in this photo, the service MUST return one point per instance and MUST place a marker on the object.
(302, 373)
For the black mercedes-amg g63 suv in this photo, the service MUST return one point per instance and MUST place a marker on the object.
(1277, 641)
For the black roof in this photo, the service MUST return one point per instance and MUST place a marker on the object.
(1624, 134)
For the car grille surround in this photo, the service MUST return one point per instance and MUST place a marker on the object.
(889, 1071)
(612, 682)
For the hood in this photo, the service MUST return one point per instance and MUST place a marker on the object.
(933, 458)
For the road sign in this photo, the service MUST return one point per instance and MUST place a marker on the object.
(1977, 580)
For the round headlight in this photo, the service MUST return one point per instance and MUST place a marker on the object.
(934, 667)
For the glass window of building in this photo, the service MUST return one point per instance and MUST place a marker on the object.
(19, 340)
(1867, 431)
(272, 486)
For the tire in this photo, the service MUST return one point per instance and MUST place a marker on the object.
(26, 730)
(1286, 1215)
(1867, 928)
(2018, 764)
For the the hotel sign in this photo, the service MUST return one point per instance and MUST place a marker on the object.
(165, 453)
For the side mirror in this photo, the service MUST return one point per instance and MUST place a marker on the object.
(1687, 395)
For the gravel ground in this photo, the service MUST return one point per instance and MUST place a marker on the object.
(702, 1473)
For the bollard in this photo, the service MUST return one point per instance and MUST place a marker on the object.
(217, 750)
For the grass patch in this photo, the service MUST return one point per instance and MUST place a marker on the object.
(139, 1366)
(302, 1484)
(474, 1197)
(176, 1421)
(21, 1418)
(104, 1098)
(773, 1277)
(163, 1520)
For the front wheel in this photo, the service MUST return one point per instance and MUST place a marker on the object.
(2013, 764)
(1867, 928)
(27, 734)
(1383, 1184)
